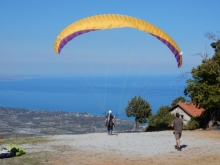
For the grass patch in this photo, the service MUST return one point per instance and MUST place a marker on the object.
(25, 140)
(35, 158)
(30, 158)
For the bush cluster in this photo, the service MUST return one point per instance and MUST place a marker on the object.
(161, 121)
(194, 123)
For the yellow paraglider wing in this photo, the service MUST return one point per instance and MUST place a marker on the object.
(110, 21)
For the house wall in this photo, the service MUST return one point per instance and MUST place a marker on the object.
(186, 117)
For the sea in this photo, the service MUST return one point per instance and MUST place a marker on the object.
(91, 94)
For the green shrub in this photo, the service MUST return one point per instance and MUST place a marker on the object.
(161, 121)
(194, 123)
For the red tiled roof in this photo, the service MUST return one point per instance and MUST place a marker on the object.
(190, 108)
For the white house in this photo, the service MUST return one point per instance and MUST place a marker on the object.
(187, 110)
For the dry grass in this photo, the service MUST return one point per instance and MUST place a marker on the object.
(30, 158)
(24, 140)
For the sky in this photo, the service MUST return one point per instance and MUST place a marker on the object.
(28, 30)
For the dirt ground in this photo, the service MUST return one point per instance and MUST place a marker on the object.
(66, 150)
(174, 158)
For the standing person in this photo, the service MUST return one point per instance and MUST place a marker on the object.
(109, 122)
(177, 124)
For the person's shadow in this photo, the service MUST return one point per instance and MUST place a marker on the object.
(116, 134)
(183, 146)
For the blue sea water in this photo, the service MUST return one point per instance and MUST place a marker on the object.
(92, 94)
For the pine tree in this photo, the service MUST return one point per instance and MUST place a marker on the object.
(140, 109)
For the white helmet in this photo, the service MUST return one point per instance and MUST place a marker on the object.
(109, 111)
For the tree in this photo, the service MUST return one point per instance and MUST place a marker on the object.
(161, 121)
(140, 109)
(177, 100)
(204, 88)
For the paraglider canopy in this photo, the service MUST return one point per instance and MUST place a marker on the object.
(110, 21)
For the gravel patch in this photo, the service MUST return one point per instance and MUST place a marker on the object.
(135, 144)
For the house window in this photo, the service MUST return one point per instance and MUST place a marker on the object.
(182, 116)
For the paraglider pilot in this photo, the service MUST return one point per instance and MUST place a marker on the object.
(109, 122)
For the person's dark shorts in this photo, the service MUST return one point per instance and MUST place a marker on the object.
(177, 135)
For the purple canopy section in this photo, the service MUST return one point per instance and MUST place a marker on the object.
(71, 36)
(171, 47)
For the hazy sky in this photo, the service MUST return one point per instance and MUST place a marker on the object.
(28, 30)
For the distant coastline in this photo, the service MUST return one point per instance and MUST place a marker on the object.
(95, 95)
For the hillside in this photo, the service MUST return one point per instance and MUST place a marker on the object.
(22, 122)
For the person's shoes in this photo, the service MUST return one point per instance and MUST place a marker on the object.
(176, 147)
(179, 149)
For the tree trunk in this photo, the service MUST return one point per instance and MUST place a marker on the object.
(135, 125)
